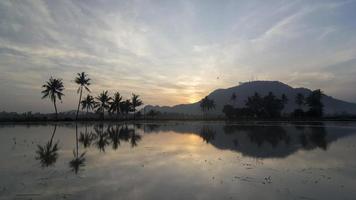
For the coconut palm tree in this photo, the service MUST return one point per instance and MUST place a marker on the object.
(88, 103)
(53, 89)
(115, 104)
(126, 107)
(207, 104)
(103, 102)
(136, 101)
(83, 81)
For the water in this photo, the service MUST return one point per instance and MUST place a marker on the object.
(176, 160)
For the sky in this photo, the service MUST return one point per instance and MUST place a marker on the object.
(173, 51)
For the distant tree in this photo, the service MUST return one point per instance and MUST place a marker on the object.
(153, 113)
(207, 104)
(83, 81)
(53, 89)
(88, 103)
(229, 111)
(300, 100)
(103, 102)
(272, 105)
(115, 104)
(233, 98)
(316, 107)
(255, 104)
(126, 107)
(136, 102)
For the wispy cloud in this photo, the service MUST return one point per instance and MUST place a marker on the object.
(177, 50)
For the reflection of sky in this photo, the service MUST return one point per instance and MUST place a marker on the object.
(179, 49)
(174, 165)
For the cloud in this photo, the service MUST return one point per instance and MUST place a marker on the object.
(181, 50)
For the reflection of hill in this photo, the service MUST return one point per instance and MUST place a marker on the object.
(263, 141)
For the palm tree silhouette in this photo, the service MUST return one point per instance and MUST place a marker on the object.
(83, 81)
(207, 104)
(103, 102)
(78, 161)
(53, 89)
(136, 101)
(115, 104)
(233, 98)
(88, 103)
(126, 107)
(48, 153)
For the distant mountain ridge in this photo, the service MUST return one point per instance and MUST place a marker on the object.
(244, 90)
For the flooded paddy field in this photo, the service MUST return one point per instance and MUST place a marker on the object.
(178, 160)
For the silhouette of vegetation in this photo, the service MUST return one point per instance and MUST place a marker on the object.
(300, 101)
(53, 89)
(316, 107)
(126, 107)
(83, 81)
(115, 104)
(207, 104)
(48, 153)
(135, 102)
(88, 103)
(103, 103)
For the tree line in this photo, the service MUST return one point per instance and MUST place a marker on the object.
(116, 105)
(271, 106)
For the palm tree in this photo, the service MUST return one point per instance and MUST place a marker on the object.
(83, 81)
(207, 104)
(115, 104)
(103, 102)
(233, 98)
(88, 103)
(136, 101)
(53, 89)
(300, 100)
(126, 107)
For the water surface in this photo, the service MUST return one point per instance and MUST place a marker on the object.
(178, 160)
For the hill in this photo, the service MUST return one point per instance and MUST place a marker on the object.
(244, 90)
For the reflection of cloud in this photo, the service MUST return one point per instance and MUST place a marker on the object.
(176, 49)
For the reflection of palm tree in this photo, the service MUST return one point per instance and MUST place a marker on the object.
(207, 134)
(78, 161)
(86, 138)
(53, 89)
(48, 153)
(124, 133)
(102, 138)
(114, 136)
(135, 138)
(83, 81)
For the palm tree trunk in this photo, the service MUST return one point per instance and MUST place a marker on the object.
(80, 98)
(55, 108)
